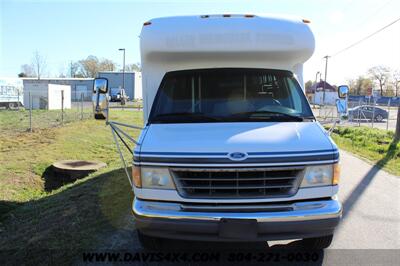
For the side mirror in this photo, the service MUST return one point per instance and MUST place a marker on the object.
(343, 91)
(100, 85)
(100, 98)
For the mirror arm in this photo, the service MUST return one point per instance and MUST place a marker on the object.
(124, 125)
(122, 157)
(115, 131)
(115, 128)
(123, 141)
(333, 127)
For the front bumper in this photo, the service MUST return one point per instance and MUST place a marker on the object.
(268, 222)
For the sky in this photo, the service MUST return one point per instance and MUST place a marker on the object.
(64, 31)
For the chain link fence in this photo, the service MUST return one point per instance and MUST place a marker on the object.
(35, 114)
(363, 111)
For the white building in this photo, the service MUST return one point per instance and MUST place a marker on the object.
(330, 97)
(47, 96)
(80, 87)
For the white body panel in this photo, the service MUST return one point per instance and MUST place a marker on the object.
(192, 42)
(290, 139)
(183, 43)
(236, 137)
(138, 86)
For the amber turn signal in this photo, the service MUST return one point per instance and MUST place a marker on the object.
(137, 181)
(336, 174)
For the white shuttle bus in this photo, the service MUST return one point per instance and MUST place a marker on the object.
(11, 93)
(231, 150)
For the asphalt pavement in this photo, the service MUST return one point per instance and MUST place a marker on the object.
(371, 204)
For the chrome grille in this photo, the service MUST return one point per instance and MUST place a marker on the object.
(238, 182)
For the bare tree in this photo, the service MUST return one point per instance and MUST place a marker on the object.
(308, 85)
(38, 64)
(61, 73)
(396, 82)
(106, 65)
(381, 74)
(360, 85)
(74, 69)
(90, 66)
(132, 67)
(26, 71)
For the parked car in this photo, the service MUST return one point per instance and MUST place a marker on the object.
(118, 95)
(367, 112)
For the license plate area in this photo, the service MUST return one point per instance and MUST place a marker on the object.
(238, 228)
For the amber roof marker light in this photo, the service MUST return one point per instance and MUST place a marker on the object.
(306, 21)
(249, 16)
(147, 23)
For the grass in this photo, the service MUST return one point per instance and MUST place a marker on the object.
(131, 104)
(18, 120)
(373, 144)
(72, 217)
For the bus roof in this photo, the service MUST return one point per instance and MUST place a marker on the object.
(189, 37)
(217, 41)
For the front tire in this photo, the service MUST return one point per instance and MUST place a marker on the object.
(317, 243)
(379, 118)
(149, 242)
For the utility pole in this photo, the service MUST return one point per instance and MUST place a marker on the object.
(316, 78)
(123, 69)
(326, 71)
(397, 132)
(316, 85)
(70, 68)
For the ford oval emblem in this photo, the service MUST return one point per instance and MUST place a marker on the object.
(237, 156)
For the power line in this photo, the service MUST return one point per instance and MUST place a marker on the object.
(376, 11)
(367, 37)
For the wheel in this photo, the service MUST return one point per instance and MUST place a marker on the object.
(317, 242)
(379, 118)
(99, 116)
(149, 242)
(12, 105)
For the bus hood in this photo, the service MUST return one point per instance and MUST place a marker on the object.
(235, 142)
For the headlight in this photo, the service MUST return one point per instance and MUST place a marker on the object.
(321, 175)
(159, 178)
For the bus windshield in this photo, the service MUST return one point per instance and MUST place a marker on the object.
(229, 95)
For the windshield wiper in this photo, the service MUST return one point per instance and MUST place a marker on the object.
(183, 117)
(270, 115)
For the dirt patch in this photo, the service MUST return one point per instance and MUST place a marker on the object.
(54, 178)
